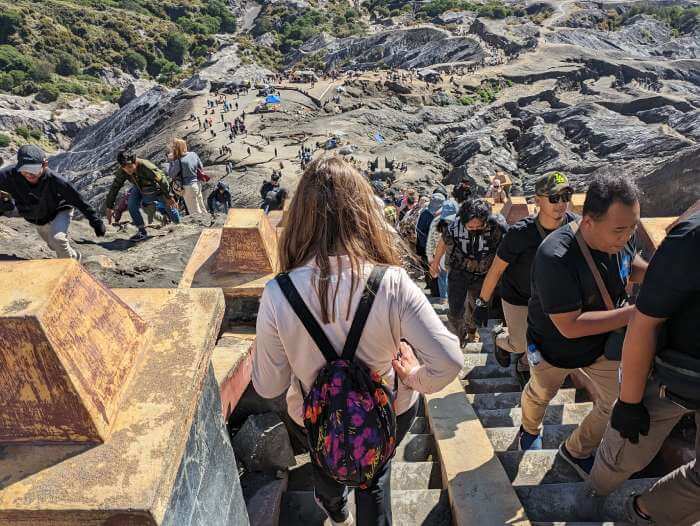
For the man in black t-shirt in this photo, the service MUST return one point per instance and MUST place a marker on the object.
(645, 414)
(469, 244)
(568, 321)
(513, 263)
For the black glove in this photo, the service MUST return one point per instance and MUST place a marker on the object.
(630, 420)
(481, 315)
(99, 228)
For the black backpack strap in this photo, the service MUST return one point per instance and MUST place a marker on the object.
(302, 311)
(362, 312)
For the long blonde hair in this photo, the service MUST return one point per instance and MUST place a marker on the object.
(179, 148)
(334, 213)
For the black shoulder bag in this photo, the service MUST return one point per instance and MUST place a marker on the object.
(613, 345)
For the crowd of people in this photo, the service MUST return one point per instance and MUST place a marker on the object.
(561, 283)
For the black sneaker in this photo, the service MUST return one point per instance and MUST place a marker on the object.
(139, 236)
(502, 356)
(582, 466)
(341, 517)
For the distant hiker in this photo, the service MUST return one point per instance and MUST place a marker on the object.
(46, 200)
(470, 244)
(462, 191)
(447, 214)
(275, 152)
(425, 219)
(220, 199)
(213, 133)
(578, 312)
(331, 256)
(496, 192)
(150, 185)
(184, 169)
(248, 150)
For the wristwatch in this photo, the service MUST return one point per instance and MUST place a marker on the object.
(481, 303)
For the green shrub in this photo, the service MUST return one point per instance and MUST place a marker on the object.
(7, 82)
(48, 93)
(11, 59)
(67, 65)
(41, 71)
(36, 134)
(10, 22)
(135, 61)
(176, 48)
(466, 100)
(25, 89)
(168, 71)
(23, 132)
(4, 140)
(200, 51)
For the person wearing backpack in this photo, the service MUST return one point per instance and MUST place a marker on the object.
(183, 170)
(578, 311)
(661, 339)
(331, 328)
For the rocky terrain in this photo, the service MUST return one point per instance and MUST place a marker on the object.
(578, 86)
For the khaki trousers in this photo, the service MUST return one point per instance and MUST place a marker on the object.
(674, 499)
(192, 194)
(513, 339)
(545, 381)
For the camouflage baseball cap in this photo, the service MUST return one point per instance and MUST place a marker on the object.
(552, 183)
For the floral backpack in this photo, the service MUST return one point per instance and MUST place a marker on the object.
(349, 412)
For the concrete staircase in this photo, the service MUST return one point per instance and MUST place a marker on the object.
(550, 490)
(417, 496)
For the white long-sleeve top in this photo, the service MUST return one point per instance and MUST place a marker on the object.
(285, 352)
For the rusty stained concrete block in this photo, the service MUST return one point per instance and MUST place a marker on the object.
(248, 243)
(239, 258)
(232, 361)
(67, 349)
(576, 204)
(130, 478)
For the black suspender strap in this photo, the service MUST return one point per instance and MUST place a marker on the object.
(362, 312)
(314, 329)
(302, 311)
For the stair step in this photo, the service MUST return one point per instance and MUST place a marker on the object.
(512, 399)
(419, 426)
(480, 359)
(491, 385)
(555, 414)
(492, 370)
(581, 524)
(404, 476)
(409, 508)
(529, 468)
(572, 502)
(416, 448)
(504, 438)
(475, 348)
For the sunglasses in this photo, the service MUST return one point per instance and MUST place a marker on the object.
(564, 197)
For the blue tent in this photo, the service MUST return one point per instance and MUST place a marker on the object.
(272, 99)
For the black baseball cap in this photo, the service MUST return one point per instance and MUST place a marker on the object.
(30, 158)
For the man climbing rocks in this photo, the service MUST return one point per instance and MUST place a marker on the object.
(574, 323)
(150, 185)
(46, 200)
(470, 244)
(513, 263)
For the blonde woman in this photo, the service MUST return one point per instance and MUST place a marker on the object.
(332, 239)
(183, 170)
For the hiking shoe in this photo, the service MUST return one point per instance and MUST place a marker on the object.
(502, 356)
(632, 515)
(140, 236)
(582, 466)
(342, 517)
(528, 441)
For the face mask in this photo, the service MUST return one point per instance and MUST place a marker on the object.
(410, 200)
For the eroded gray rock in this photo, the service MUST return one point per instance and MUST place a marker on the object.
(262, 444)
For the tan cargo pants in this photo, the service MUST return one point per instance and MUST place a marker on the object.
(545, 381)
(513, 338)
(674, 499)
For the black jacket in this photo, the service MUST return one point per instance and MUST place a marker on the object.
(40, 203)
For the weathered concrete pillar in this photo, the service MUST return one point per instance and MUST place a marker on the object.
(67, 348)
(167, 459)
(652, 231)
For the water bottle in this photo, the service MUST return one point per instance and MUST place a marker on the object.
(533, 355)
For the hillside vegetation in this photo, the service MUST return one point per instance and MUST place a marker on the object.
(50, 47)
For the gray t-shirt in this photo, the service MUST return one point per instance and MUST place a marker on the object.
(185, 168)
